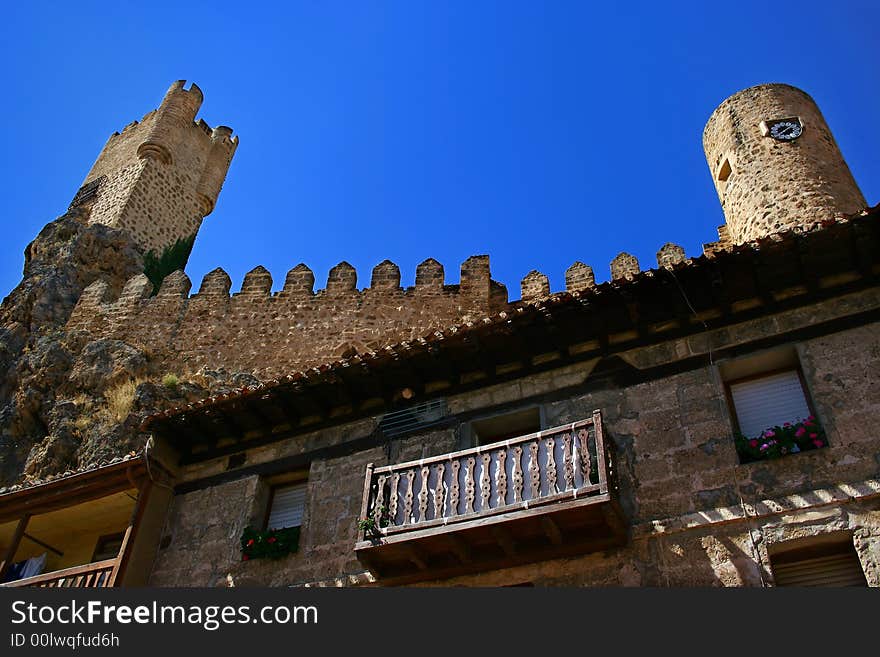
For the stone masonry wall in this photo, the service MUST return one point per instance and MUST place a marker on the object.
(775, 185)
(163, 206)
(270, 335)
(698, 516)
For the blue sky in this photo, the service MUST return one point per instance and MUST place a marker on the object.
(539, 133)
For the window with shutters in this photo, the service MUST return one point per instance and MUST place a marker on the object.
(820, 561)
(770, 406)
(287, 505)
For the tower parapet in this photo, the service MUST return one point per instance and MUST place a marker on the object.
(775, 163)
(161, 176)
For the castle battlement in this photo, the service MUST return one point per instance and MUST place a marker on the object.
(269, 333)
(159, 177)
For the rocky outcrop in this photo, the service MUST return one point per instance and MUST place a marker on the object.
(67, 399)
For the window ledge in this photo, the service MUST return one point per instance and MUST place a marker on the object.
(776, 442)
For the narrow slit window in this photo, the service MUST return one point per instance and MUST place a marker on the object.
(724, 170)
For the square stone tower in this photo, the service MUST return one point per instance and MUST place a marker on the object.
(161, 176)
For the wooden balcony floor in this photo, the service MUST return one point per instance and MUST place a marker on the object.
(519, 536)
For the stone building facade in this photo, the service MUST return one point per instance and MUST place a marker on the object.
(442, 435)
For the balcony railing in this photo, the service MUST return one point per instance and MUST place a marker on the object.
(98, 574)
(546, 475)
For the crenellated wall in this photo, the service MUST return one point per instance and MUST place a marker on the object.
(270, 334)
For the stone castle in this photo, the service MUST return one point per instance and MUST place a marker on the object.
(300, 384)
(144, 182)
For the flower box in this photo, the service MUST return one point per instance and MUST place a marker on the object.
(790, 438)
(269, 543)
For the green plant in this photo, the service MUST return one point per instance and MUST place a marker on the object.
(370, 527)
(268, 543)
(170, 381)
(789, 438)
(172, 258)
(367, 525)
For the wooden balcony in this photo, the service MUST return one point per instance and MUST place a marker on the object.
(540, 496)
(82, 527)
(100, 574)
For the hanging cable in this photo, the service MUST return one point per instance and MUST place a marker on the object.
(756, 554)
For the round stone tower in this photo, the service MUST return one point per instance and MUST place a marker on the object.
(775, 163)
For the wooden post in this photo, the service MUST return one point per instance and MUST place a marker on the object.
(13, 547)
(130, 532)
(600, 451)
(365, 502)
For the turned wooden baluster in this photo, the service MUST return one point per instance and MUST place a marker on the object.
(408, 498)
(501, 477)
(517, 474)
(568, 466)
(485, 482)
(423, 494)
(551, 467)
(392, 502)
(470, 486)
(584, 450)
(439, 492)
(534, 471)
(453, 490)
(380, 501)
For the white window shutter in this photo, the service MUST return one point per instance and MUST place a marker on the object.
(288, 505)
(769, 401)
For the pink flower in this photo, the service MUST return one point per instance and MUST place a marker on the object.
(764, 446)
(818, 443)
(753, 443)
(814, 435)
(787, 424)
(811, 418)
(769, 433)
(800, 432)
